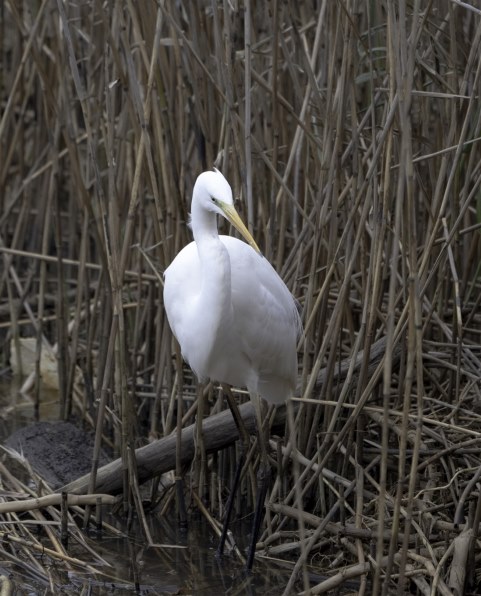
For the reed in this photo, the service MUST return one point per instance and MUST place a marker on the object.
(350, 132)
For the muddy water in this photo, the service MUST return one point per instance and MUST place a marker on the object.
(167, 569)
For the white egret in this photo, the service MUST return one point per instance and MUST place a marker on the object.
(233, 316)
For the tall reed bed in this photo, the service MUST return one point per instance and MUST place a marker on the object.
(350, 132)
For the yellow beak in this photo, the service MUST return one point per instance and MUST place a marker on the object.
(234, 218)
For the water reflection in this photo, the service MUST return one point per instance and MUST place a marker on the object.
(168, 569)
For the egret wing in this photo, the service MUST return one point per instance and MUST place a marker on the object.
(266, 318)
(181, 287)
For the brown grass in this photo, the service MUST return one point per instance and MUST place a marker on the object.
(351, 135)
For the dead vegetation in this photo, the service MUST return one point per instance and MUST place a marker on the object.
(350, 132)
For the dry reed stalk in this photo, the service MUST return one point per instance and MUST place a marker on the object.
(351, 134)
(24, 542)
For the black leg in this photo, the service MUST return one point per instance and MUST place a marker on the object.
(244, 439)
(230, 505)
(263, 479)
(263, 474)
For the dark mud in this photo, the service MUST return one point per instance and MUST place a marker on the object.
(58, 452)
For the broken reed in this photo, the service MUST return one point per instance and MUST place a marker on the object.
(355, 154)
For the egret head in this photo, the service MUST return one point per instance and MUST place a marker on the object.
(213, 193)
(211, 188)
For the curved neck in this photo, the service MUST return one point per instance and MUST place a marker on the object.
(215, 292)
(204, 223)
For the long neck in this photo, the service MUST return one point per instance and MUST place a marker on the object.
(204, 223)
(215, 294)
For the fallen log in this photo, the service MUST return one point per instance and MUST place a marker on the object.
(158, 457)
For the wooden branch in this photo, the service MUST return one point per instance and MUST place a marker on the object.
(159, 457)
(376, 354)
(462, 546)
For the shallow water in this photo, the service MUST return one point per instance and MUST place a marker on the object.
(135, 567)
(194, 569)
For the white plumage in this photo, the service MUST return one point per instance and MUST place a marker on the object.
(233, 316)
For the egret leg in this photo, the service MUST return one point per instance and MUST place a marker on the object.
(263, 480)
(244, 438)
(263, 477)
(179, 481)
(241, 428)
(263, 474)
(199, 461)
(230, 506)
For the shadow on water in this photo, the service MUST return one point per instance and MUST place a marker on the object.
(181, 562)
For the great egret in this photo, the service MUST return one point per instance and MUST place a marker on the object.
(233, 316)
